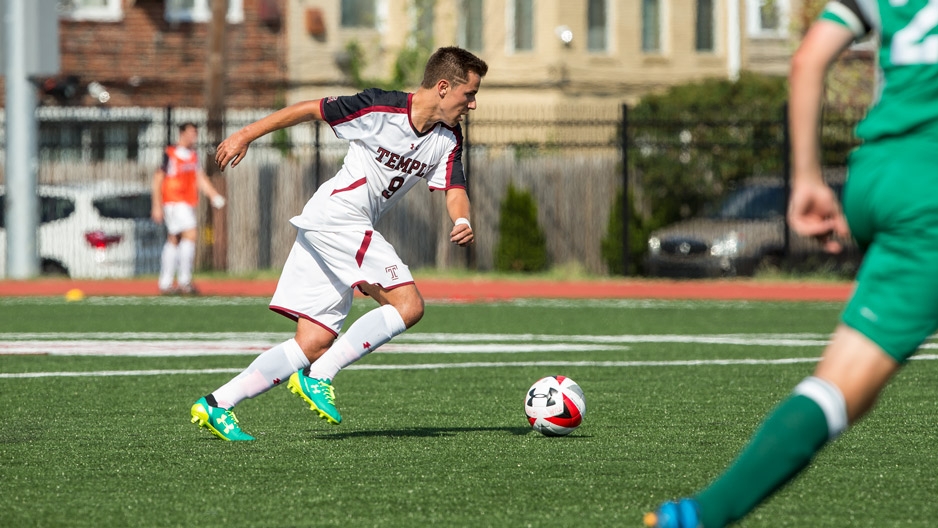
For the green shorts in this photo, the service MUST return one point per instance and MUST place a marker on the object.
(891, 203)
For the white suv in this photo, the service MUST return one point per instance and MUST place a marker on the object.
(93, 231)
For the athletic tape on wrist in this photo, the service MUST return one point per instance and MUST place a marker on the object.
(460, 221)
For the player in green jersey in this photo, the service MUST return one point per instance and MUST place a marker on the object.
(891, 207)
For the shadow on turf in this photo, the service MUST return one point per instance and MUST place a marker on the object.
(423, 432)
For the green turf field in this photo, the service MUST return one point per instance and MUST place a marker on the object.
(95, 396)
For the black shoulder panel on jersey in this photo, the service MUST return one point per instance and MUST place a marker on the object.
(457, 175)
(854, 7)
(345, 108)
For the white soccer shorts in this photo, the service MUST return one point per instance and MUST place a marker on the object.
(320, 275)
(178, 217)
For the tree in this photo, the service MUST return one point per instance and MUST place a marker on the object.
(522, 245)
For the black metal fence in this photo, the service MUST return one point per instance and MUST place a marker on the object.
(706, 194)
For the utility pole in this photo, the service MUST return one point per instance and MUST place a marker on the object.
(215, 108)
(31, 38)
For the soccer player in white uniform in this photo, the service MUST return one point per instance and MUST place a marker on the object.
(396, 140)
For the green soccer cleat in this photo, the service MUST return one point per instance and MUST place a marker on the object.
(318, 393)
(221, 422)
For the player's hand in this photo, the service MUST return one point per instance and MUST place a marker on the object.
(156, 214)
(232, 150)
(462, 235)
(815, 212)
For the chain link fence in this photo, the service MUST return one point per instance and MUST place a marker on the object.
(677, 169)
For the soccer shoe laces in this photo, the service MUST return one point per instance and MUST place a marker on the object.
(328, 390)
(231, 414)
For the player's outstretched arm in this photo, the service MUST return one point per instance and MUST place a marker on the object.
(457, 205)
(156, 196)
(813, 209)
(233, 149)
(205, 185)
(815, 212)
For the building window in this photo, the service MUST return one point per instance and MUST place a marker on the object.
(359, 14)
(94, 10)
(201, 11)
(470, 25)
(522, 25)
(597, 17)
(651, 26)
(767, 18)
(705, 29)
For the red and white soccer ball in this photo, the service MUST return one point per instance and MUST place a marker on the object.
(555, 405)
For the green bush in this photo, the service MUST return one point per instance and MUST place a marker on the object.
(693, 142)
(522, 245)
(686, 149)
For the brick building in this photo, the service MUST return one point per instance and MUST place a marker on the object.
(153, 53)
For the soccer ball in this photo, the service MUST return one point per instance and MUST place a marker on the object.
(555, 405)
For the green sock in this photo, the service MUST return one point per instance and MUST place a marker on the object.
(787, 441)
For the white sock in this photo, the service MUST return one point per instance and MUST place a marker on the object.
(168, 265)
(370, 331)
(266, 371)
(831, 401)
(186, 260)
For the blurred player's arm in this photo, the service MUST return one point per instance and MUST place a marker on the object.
(457, 205)
(813, 210)
(205, 185)
(156, 193)
(235, 146)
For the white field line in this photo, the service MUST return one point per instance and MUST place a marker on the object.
(412, 337)
(235, 348)
(437, 366)
(146, 344)
(152, 344)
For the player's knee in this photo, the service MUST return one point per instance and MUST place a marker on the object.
(410, 309)
(313, 340)
(412, 312)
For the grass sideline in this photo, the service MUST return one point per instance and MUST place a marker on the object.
(446, 446)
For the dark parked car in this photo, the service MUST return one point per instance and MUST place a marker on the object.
(746, 231)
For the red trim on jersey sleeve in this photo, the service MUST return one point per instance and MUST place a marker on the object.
(322, 112)
(368, 110)
(450, 161)
(356, 184)
(360, 256)
(451, 164)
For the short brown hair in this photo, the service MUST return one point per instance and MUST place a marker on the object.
(452, 64)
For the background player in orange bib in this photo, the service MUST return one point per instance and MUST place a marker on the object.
(176, 186)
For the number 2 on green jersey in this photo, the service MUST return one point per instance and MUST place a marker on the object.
(912, 44)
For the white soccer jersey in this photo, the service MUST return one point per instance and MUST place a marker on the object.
(386, 157)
